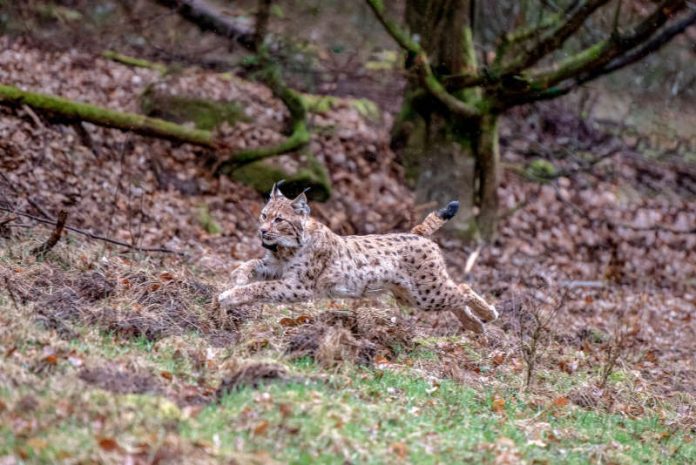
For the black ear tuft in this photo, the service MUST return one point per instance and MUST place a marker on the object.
(446, 213)
(300, 204)
(275, 190)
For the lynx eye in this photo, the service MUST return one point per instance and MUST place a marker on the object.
(263, 216)
(278, 219)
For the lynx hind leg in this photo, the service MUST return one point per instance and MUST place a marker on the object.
(483, 309)
(443, 296)
(468, 320)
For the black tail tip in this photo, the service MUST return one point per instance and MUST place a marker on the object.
(449, 211)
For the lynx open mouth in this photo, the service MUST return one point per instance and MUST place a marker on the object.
(268, 243)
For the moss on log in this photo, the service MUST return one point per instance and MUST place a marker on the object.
(248, 166)
(77, 111)
(203, 113)
(135, 62)
(325, 103)
(261, 175)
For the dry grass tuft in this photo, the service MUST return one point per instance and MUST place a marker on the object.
(247, 373)
(133, 299)
(119, 381)
(337, 336)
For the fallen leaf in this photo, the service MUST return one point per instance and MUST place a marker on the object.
(166, 276)
(288, 322)
(303, 319)
(498, 405)
(399, 449)
(108, 444)
(651, 357)
(498, 358)
(285, 409)
(51, 359)
(381, 360)
(561, 401)
(568, 367)
(261, 428)
(167, 375)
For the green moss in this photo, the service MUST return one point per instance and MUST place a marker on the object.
(135, 62)
(261, 176)
(100, 116)
(204, 114)
(207, 221)
(325, 103)
(541, 169)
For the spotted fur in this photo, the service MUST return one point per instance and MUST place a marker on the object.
(306, 260)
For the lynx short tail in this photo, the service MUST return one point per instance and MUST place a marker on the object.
(436, 219)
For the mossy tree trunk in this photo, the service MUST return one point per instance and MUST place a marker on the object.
(448, 126)
(449, 155)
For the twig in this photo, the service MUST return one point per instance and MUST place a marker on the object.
(10, 292)
(44, 248)
(95, 236)
(34, 117)
(7, 219)
(4, 225)
(38, 208)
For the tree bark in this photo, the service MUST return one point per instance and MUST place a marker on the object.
(488, 155)
(450, 154)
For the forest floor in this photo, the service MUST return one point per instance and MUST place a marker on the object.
(114, 356)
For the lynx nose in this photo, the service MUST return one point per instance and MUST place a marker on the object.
(263, 231)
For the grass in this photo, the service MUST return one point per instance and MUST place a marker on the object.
(153, 398)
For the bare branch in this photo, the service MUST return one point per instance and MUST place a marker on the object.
(91, 235)
(541, 92)
(603, 52)
(653, 45)
(209, 17)
(422, 64)
(556, 38)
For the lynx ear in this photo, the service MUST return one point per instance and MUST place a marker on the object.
(300, 205)
(275, 191)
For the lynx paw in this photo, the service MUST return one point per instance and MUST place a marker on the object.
(226, 299)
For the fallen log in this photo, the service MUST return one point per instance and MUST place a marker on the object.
(257, 175)
(72, 111)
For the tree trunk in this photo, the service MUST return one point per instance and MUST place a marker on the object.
(449, 156)
(488, 156)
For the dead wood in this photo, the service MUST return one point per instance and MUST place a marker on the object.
(44, 248)
(92, 235)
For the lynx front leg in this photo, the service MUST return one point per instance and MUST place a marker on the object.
(252, 271)
(266, 291)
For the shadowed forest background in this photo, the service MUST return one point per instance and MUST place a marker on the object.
(138, 143)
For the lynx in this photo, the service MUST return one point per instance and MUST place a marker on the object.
(305, 260)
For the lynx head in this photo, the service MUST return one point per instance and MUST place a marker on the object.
(282, 220)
